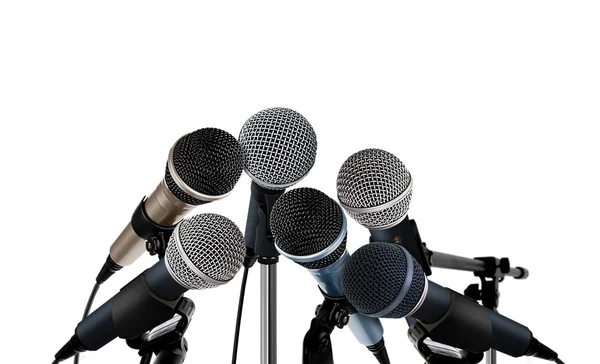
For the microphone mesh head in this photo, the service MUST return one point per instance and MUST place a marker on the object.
(374, 275)
(279, 147)
(209, 243)
(372, 178)
(305, 221)
(209, 161)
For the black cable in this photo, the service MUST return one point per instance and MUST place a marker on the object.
(146, 359)
(88, 307)
(238, 322)
(558, 361)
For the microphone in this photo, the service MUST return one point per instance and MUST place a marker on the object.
(309, 228)
(375, 189)
(383, 280)
(204, 251)
(202, 166)
(279, 148)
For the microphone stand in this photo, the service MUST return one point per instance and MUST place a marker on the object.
(333, 312)
(268, 257)
(166, 340)
(490, 270)
(317, 347)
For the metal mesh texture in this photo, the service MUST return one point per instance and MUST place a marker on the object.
(371, 178)
(374, 276)
(328, 260)
(213, 244)
(279, 147)
(209, 161)
(305, 221)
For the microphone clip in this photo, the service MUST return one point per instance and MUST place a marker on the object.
(330, 314)
(157, 236)
(168, 336)
(437, 353)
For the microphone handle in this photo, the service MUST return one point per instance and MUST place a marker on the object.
(161, 210)
(251, 223)
(263, 239)
(458, 321)
(367, 330)
(144, 303)
(405, 233)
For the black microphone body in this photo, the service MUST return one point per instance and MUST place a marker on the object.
(144, 303)
(406, 234)
(465, 324)
(204, 251)
(258, 232)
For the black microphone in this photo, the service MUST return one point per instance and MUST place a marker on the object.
(202, 166)
(204, 251)
(383, 280)
(310, 229)
(375, 189)
(279, 148)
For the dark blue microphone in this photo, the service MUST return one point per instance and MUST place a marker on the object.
(309, 228)
(383, 280)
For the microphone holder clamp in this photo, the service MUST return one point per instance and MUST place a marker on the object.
(156, 235)
(330, 314)
(494, 272)
(166, 340)
(157, 245)
(418, 333)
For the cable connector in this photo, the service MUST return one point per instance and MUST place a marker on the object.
(108, 269)
(71, 348)
(541, 351)
(250, 258)
(380, 352)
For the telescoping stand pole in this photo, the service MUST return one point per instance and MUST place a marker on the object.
(490, 270)
(268, 257)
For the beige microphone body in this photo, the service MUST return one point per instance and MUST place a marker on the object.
(202, 166)
(163, 208)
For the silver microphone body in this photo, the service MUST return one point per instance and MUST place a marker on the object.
(164, 209)
(202, 166)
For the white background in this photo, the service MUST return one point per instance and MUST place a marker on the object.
(493, 106)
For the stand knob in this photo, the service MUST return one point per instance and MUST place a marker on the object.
(473, 292)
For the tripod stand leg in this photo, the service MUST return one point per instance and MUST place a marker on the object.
(490, 357)
(268, 313)
(172, 354)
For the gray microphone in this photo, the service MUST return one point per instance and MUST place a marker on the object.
(375, 189)
(310, 229)
(279, 148)
(204, 251)
(383, 280)
(202, 166)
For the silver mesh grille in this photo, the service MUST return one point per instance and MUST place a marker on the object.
(209, 243)
(373, 178)
(279, 147)
(209, 161)
(305, 221)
